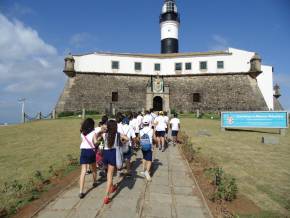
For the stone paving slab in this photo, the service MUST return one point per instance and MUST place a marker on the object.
(169, 194)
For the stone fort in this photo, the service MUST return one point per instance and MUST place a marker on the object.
(214, 81)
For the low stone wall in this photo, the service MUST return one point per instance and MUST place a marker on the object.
(217, 93)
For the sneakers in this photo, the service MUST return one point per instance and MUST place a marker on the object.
(81, 195)
(95, 184)
(142, 173)
(148, 177)
(88, 172)
(107, 200)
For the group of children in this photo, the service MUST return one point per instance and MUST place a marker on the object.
(114, 140)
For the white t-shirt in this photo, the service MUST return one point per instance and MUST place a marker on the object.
(98, 129)
(84, 143)
(126, 130)
(147, 130)
(160, 123)
(153, 115)
(139, 120)
(166, 118)
(148, 118)
(134, 124)
(106, 142)
(174, 124)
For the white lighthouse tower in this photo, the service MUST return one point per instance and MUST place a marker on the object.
(169, 24)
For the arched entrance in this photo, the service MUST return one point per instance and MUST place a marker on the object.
(157, 103)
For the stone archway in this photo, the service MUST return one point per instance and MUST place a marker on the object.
(157, 103)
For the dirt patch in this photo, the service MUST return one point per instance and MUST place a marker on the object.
(241, 205)
(58, 185)
(220, 208)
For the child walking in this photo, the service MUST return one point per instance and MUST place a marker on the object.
(88, 155)
(146, 142)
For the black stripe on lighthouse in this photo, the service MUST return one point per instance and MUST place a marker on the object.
(169, 45)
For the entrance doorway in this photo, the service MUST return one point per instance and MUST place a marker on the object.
(157, 103)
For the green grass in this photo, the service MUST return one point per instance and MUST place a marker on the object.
(262, 171)
(26, 148)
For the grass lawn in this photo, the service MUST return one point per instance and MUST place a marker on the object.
(262, 171)
(26, 148)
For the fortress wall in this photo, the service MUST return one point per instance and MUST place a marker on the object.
(233, 92)
(94, 92)
(237, 92)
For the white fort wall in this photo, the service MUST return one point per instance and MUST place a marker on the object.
(235, 60)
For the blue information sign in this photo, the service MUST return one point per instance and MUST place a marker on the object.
(267, 119)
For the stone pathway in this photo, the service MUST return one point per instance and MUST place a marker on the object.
(172, 193)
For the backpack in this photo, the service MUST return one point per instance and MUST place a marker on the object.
(145, 142)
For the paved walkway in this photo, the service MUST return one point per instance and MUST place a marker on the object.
(172, 193)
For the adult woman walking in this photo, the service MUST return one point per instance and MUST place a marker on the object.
(88, 155)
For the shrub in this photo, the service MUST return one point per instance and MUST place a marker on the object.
(226, 186)
(65, 114)
(92, 112)
(173, 111)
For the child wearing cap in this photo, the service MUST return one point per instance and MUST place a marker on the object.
(146, 141)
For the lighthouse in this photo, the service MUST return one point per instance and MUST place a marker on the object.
(169, 25)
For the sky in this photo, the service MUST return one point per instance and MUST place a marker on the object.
(35, 36)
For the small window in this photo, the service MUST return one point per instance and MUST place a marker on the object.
(115, 65)
(220, 65)
(157, 67)
(114, 96)
(203, 65)
(138, 66)
(196, 97)
(178, 66)
(188, 66)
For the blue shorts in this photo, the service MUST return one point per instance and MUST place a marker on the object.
(128, 155)
(174, 133)
(109, 157)
(88, 156)
(147, 155)
(160, 133)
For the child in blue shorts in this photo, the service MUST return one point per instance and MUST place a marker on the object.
(146, 139)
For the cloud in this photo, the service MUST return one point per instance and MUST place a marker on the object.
(19, 10)
(18, 42)
(29, 67)
(80, 40)
(218, 43)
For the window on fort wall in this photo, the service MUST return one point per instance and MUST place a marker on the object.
(115, 65)
(188, 66)
(196, 97)
(114, 96)
(203, 65)
(220, 65)
(138, 66)
(157, 67)
(178, 66)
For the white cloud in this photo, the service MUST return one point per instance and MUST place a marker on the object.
(18, 42)
(80, 40)
(29, 67)
(19, 10)
(219, 43)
